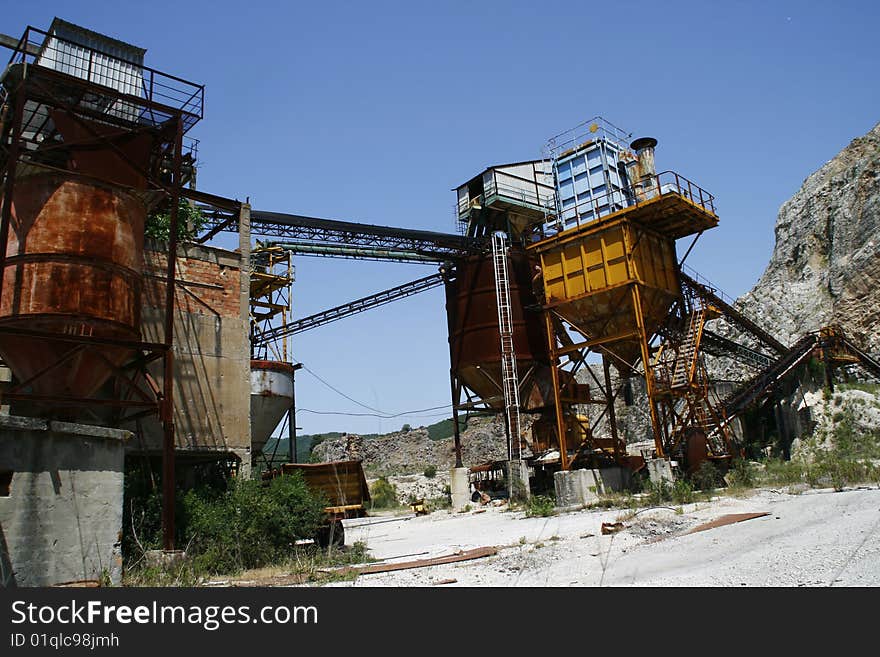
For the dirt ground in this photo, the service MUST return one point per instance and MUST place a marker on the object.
(809, 538)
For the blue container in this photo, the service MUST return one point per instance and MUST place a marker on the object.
(590, 182)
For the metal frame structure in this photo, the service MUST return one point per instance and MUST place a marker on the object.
(269, 335)
(272, 273)
(164, 108)
(345, 239)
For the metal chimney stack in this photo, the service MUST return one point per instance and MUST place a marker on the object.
(643, 173)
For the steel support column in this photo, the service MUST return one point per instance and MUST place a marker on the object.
(9, 183)
(649, 372)
(557, 402)
(612, 417)
(168, 446)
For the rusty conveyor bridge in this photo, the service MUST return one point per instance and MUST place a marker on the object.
(312, 236)
(829, 344)
(345, 239)
(351, 308)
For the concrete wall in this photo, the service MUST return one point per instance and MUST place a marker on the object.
(211, 348)
(62, 519)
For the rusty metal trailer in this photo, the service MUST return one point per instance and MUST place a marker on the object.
(343, 485)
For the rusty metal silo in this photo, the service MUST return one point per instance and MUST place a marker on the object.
(474, 338)
(73, 266)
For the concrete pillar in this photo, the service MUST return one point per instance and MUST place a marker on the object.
(576, 488)
(460, 487)
(245, 466)
(659, 469)
(519, 472)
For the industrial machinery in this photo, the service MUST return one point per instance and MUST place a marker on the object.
(563, 283)
(91, 140)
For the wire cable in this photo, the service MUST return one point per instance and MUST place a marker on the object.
(339, 392)
(383, 416)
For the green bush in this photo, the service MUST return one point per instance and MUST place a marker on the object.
(540, 506)
(246, 525)
(780, 472)
(740, 473)
(252, 524)
(706, 477)
(190, 222)
(658, 492)
(682, 492)
(430, 471)
(383, 494)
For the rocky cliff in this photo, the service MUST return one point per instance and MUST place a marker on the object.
(825, 267)
(412, 451)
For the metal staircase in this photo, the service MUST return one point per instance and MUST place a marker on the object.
(686, 362)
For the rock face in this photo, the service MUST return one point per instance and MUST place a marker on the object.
(411, 451)
(825, 267)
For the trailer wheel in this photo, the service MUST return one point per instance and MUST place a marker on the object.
(332, 533)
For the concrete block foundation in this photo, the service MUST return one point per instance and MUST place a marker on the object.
(60, 503)
(576, 488)
(460, 488)
(519, 473)
(659, 469)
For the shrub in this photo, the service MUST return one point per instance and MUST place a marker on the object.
(658, 492)
(706, 477)
(383, 494)
(189, 222)
(540, 506)
(430, 471)
(252, 524)
(441, 502)
(224, 530)
(740, 473)
(779, 472)
(682, 492)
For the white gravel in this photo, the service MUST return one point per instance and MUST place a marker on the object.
(816, 538)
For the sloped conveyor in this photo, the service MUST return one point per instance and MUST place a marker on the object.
(830, 344)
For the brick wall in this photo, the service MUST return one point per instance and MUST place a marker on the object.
(211, 350)
(207, 280)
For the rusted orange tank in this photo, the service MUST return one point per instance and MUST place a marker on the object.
(74, 264)
(475, 341)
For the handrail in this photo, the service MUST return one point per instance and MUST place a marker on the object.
(517, 193)
(660, 184)
(141, 81)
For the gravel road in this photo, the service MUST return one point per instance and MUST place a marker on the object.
(814, 538)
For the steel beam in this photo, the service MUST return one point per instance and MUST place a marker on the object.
(351, 308)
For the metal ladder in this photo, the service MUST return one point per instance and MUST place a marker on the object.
(508, 355)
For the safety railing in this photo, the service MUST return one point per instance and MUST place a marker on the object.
(590, 209)
(591, 130)
(131, 81)
(536, 197)
(705, 282)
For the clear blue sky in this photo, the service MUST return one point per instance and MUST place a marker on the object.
(372, 111)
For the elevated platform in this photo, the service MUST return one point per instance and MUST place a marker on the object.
(673, 209)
